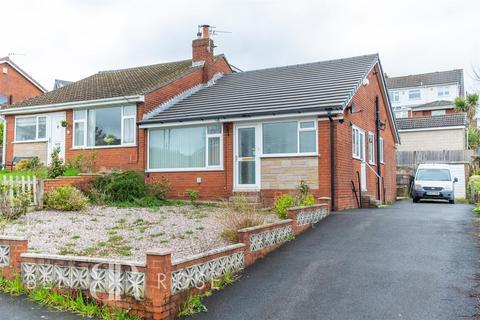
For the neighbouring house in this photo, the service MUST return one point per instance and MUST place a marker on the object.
(15, 84)
(427, 94)
(433, 133)
(99, 113)
(60, 83)
(203, 127)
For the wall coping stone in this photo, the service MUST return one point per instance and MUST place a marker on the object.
(158, 252)
(263, 226)
(81, 259)
(208, 253)
(13, 238)
(317, 205)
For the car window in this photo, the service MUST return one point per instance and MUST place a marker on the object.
(433, 175)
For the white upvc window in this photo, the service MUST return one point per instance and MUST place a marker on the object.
(371, 147)
(292, 137)
(395, 95)
(358, 143)
(443, 91)
(30, 128)
(185, 148)
(104, 127)
(439, 112)
(414, 94)
(381, 149)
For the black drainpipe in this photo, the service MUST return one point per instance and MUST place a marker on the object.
(332, 163)
(377, 133)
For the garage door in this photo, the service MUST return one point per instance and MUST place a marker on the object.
(458, 171)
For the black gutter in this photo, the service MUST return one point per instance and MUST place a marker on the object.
(332, 163)
(377, 133)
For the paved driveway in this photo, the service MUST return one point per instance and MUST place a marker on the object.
(410, 261)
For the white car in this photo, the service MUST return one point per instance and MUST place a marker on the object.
(434, 181)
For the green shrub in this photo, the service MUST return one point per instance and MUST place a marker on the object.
(282, 204)
(159, 189)
(12, 208)
(193, 196)
(56, 168)
(23, 165)
(476, 210)
(35, 162)
(121, 186)
(307, 201)
(65, 198)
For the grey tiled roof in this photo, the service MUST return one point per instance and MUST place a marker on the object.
(448, 120)
(319, 86)
(114, 83)
(438, 103)
(427, 79)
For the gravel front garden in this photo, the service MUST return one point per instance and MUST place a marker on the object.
(124, 233)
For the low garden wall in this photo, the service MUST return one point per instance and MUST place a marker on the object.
(81, 182)
(157, 288)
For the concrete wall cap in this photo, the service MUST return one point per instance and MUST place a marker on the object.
(13, 238)
(81, 259)
(264, 226)
(209, 253)
(159, 252)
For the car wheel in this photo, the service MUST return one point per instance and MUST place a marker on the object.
(416, 200)
(451, 201)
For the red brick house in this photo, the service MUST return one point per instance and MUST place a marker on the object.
(201, 126)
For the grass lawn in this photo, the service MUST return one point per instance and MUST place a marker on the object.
(41, 173)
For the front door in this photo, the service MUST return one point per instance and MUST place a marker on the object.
(246, 158)
(363, 165)
(56, 138)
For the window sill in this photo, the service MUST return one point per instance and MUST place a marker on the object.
(184, 170)
(105, 147)
(289, 155)
(30, 141)
(371, 163)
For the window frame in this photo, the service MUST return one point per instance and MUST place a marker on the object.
(380, 139)
(396, 96)
(371, 148)
(37, 139)
(85, 124)
(355, 145)
(443, 91)
(207, 167)
(442, 112)
(419, 94)
(299, 129)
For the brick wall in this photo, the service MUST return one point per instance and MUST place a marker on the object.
(16, 85)
(81, 182)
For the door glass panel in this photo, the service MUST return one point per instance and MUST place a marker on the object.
(246, 156)
(246, 172)
(246, 142)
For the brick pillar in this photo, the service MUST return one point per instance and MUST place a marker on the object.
(16, 246)
(325, 200)
(244, 237)
(158, 285)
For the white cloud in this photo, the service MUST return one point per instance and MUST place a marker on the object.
(73, 39)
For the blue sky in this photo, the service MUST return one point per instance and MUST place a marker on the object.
(72, 39)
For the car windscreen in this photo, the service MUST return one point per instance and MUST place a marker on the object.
(433, 175)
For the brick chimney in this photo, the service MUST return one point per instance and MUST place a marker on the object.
(202, 47)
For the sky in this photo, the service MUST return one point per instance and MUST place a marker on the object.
(72, 39)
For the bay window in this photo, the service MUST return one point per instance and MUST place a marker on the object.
(290, 137)
(30, 128)
(103, 127)
(185, 148)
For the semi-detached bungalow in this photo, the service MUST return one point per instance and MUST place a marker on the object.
(202, 126)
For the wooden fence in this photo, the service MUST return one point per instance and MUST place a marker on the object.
(20, 184)
(413, 158)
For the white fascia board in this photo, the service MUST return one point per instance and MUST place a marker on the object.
(433, 108)
(432, 129)
(73, 105)
(243, 119)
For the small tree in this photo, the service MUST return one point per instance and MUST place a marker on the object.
(468, 105)
(56, 168)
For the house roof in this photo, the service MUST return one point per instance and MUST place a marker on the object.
(22, 72)
(296, 89)
(448, 120)
(428, 79)
(433, 104)
(114, 83)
